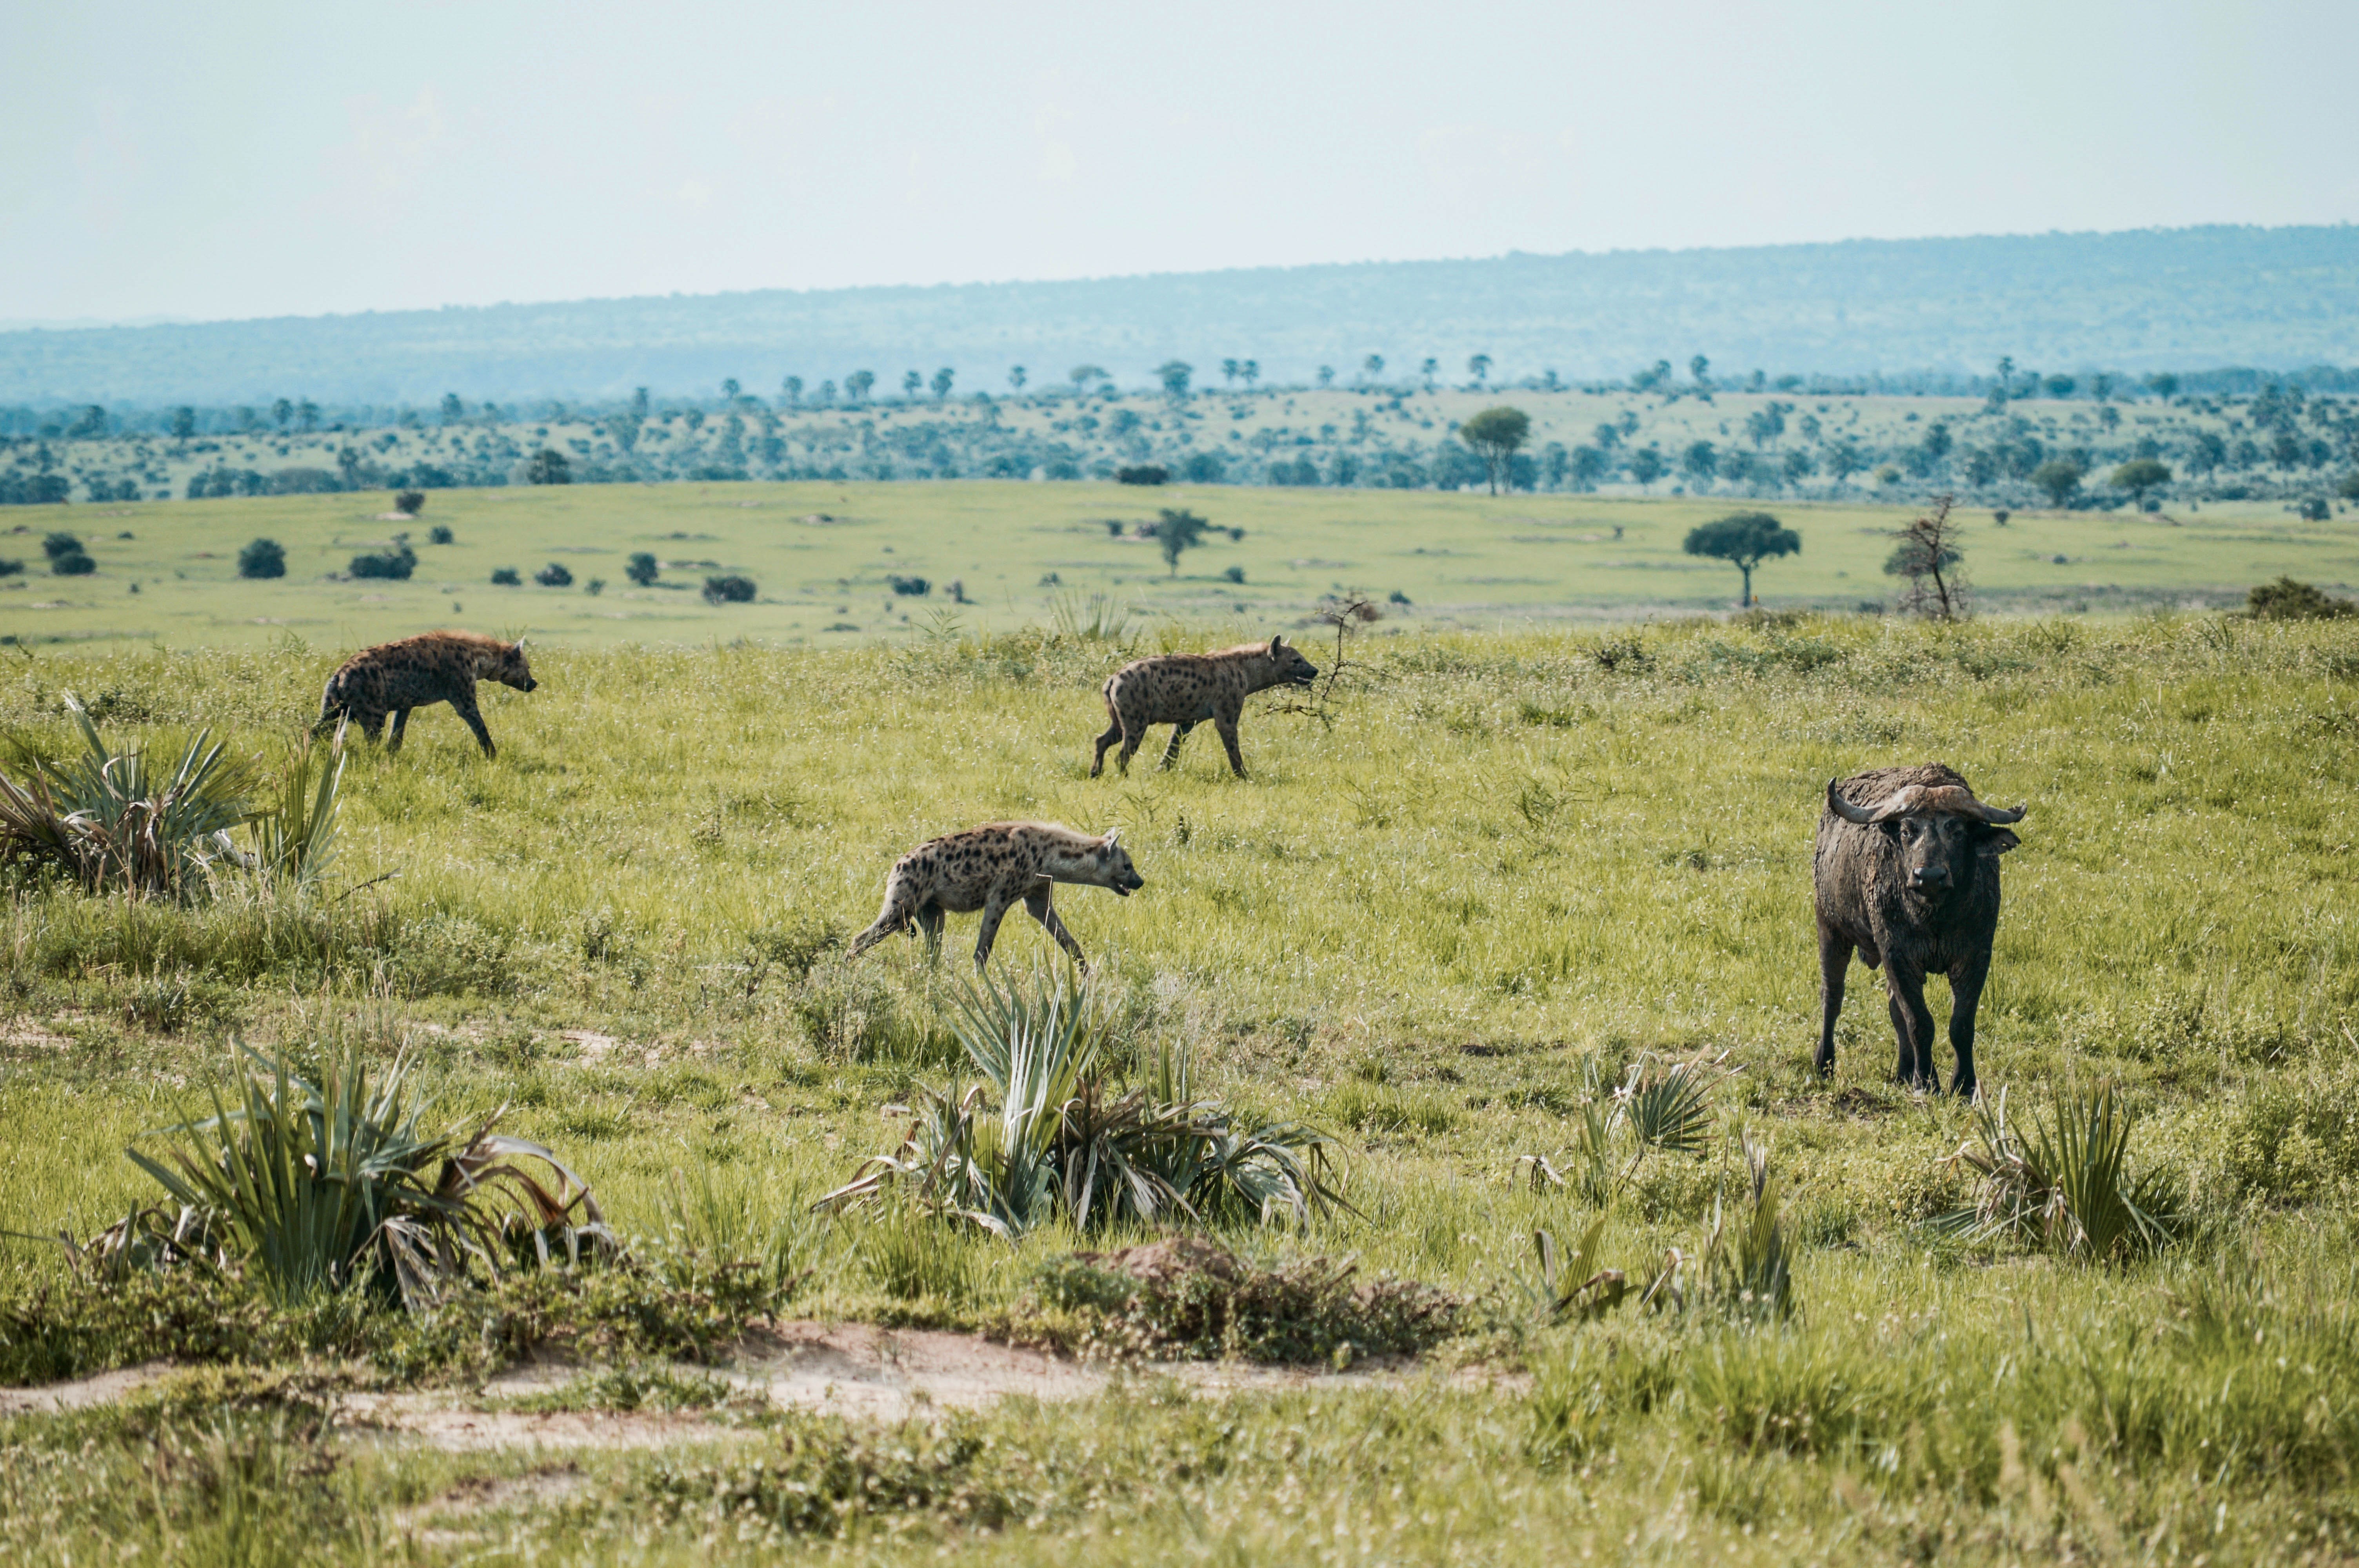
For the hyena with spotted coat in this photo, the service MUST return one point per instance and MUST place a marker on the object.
(1184, 690)
(418, 672)
(992, 867)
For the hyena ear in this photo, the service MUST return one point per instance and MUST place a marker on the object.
(1112, 838)
(1277, 642)
(519, 645)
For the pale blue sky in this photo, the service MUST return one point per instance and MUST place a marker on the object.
(258, 159)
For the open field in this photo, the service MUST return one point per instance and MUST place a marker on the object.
(1438, 926)
(822, 554)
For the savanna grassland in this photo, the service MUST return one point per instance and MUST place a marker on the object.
(1448, 914)
(823, 558)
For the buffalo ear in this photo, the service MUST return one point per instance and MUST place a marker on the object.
(1999, 841)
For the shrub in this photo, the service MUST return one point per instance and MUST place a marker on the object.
(10, 566)
(553, 575)
(2067, 1189)
(2285, 599)
(1065, 1143)
(1190, 1297)
(396, 563)
(261, 558)
(102, 819)
(731, 589)
(506, 576)
(594, 586)
(60, 543)
(409, 503)
(643, 569)
(549, 466)
(322, 1186)
(1142, 473)
(2314, 509)
(1237, 574)
(910, 586)
(440, 534)
(74, 565)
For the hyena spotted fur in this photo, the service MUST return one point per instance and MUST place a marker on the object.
(418, 672)
(1184, 690)
(991, 868)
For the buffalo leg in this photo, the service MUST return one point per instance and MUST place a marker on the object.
(1912, 1021)
(1834, 962)
(1171, 752)
(1965, 995)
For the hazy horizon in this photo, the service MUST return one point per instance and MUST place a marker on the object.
(255, 161)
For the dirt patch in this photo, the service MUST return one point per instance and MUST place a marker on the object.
(81, 1393)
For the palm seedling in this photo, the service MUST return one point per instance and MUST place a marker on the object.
(1064, 1141)
(1747, 1256)
(109, 821)
(2068, 1187)
(320, 1187)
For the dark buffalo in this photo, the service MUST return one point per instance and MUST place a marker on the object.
(1907, 870)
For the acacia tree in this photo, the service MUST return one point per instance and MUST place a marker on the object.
(943, 378)
(1372, 367)
(1479, 367)
(2139, 475)
(1931, 557)
(1496, 434)
(1426, 370)
(1743, 539)
(912, 382)
(2059, 477)
(1251, 370)
(1178, 531)
(1174, 374)
(858, 382)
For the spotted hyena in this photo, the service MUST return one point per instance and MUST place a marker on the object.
(418, 672)
(1184, 690)
(990, 868)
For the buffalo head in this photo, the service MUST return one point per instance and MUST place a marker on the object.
(1939, 827)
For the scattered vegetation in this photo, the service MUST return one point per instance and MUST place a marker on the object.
(2285, 599)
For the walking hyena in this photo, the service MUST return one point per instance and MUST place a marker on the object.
(991, 868)
(418, 672)
(1184, 690)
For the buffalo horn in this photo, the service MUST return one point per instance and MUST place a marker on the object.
(1950, 798)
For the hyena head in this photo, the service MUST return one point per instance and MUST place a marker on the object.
(504, 663)
(1109, 866)
(1292, 668)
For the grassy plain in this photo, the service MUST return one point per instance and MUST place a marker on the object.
(167, 569)
(1507, 869)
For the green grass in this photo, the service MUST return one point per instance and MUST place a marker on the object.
(1463, 561)
(1504, 872)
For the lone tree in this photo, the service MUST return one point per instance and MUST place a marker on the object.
(1496, 434)
(549, 466)
(1174, 374)
(1745, 540)
(1177, 531)
(1929, 555)
(2139, 475)
(643, 569)
(2059, 477)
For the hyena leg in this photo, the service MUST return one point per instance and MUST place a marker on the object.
(1037, 902)
(1112, 734)
(370, 720)
(1171, 752)
(992, 913)
(1225, 723)
(1132, 739)
(400, 723)
(465, 704)
(929, 922)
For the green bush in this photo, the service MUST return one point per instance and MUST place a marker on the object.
(262, 558)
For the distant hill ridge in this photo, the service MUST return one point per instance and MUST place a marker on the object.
(2142, 301)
